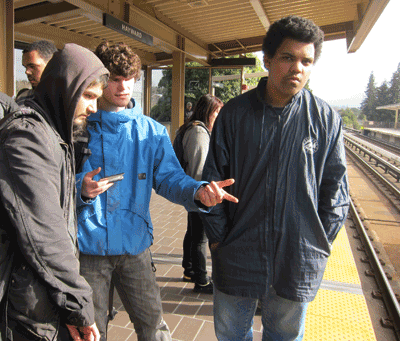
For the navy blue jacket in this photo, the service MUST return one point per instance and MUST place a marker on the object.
(291, 182)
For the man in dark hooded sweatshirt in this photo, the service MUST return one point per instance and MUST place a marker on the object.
(46, 298)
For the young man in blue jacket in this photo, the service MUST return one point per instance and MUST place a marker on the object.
(115, 229)
(284, 147)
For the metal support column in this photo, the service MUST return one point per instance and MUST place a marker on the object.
(178, 92)
(242, 80)
(7, 47)
(147, 90)
(210, 82)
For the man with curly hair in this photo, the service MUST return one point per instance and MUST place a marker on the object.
(115, 229)
(284, 147)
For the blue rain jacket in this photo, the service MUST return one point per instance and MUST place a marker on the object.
(291, 182)
(118, 221)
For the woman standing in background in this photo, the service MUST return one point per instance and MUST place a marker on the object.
(196, 141)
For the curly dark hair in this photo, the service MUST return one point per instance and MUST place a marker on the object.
(119, 59)
(296, 28)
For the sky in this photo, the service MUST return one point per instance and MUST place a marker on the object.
(341, 78)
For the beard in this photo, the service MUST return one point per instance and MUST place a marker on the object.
(79, 130)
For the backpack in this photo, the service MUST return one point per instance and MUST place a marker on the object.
(178, 142)
(82, 152)
(178, 148)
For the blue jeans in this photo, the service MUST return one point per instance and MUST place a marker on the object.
(136, 284)
(282, 319)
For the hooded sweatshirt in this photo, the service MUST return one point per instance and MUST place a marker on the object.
(37, 189)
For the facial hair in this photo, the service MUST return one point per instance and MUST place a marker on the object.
(79, 130)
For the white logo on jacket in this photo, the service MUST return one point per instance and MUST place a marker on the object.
(310, 145)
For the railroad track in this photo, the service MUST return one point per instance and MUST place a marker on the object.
(382, 144)
(385, 177)
(378, 272)
(371, 223)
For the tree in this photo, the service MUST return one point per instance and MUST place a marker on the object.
(368, 105)
(349, 118)
(383, 98)
(196, 85)
(394, 91)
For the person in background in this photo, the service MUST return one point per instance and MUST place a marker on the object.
(188, 111)
(35, 58)
(196, 140)
(284, 147)
(115, 230)
(45, 298)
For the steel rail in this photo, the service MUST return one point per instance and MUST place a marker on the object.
(388, 295)
(387, 183)
(383, 144)
(386, 166)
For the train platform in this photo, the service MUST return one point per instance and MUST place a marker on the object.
(339, 311)
(386, 134)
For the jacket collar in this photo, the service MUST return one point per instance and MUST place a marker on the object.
(261, 91)
(116, 117)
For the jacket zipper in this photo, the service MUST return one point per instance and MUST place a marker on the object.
(275, 169)
(69, 202)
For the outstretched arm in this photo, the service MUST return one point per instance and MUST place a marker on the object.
(213, 193)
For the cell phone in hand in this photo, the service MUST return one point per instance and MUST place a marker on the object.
(113, 178)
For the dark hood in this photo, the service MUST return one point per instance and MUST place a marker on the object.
(65, 78)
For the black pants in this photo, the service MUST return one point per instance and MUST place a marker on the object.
(195, 249)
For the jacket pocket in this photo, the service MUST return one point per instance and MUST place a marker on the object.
(30, 305)
(299, 279)
(85, 212)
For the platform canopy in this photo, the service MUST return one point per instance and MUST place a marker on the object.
(394, 107)
(390, 107)
(205, 30)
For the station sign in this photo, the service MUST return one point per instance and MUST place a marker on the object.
(126, 29)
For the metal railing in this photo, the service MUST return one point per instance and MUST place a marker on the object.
(379, 162)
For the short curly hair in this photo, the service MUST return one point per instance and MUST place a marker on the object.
(119, 59)
(296, 28)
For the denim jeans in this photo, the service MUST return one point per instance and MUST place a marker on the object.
(282, 319)
(195, 249)
(136, 284)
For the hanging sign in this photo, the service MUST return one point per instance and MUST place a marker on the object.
(126, 29)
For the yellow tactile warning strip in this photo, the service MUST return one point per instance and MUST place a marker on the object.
(339, 312)
(341, 266)
(334, 316)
